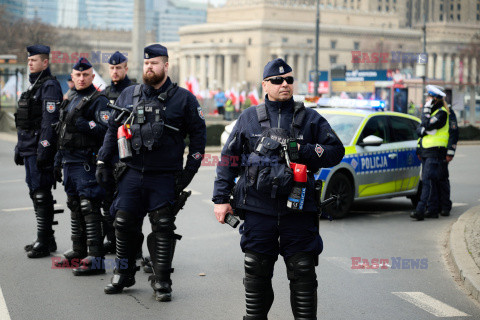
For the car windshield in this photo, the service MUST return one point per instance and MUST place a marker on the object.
(344, 125)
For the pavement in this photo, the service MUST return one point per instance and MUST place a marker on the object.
(464, 247)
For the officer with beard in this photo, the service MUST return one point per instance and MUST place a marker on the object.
(82, 126)
(263, 190)
(162, 116)
(37, 111)
(118, 73)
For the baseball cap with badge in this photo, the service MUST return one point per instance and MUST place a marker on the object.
(277, 67)
(38, 49)
(154, 50)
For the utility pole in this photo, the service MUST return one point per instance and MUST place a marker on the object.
(424, 29)
(317, 50)
(138, 39)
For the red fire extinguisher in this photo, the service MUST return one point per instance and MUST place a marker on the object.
(296, 199)
(123, 139)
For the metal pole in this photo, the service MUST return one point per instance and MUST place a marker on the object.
(424, 29)
(317, 50)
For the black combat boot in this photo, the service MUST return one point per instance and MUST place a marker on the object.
(417, 215)
(79, 242)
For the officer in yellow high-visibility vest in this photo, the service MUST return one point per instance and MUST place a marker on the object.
(432, 149)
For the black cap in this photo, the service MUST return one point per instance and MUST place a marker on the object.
(154, 50)
(275, 68)
(38, 49)
(82, 65)
(117, 58)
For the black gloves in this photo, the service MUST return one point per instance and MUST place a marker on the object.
(18, 159)
(183, 179)
(104, 175)
(57, 173)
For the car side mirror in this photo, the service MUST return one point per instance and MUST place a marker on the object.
(371, 140)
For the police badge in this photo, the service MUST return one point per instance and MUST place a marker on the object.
(50, 106)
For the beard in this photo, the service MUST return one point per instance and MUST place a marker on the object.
(154, 79)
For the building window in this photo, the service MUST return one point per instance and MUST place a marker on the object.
(248, 64)
(459, 6)
(333, 59)
(284, 40)
(249, 41)
(356, 45)
(458, 17)
(441, 7)
(478, 17)
(309, 41)
(333, 44)
(441, 17)
(386, 8)
(451, 17)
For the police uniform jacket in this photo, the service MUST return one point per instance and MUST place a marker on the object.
(42, 141)
(92, 123)
(429, 123)
(182, 111)
(319, 147)
(452, 134)
(113, 91)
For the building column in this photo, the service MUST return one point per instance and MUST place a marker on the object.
(439, 67)
(430, 66)
(474, 71)
(227, 71)
(309, 63)
(448, 68)
(242, 66)
(456, 69)
(301, 68)
(220, 72)
(466, 69)
(183, 70)
(203, 72)
(211, 72)
(193, 65)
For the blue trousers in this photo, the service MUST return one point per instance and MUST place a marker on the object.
(443, 187)
(292, 233)
(433, 173)
(79, 180)
(140, 193)
(36, 179)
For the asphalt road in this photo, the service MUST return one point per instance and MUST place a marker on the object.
(375, 229)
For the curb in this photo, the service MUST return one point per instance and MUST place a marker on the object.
(464, 264)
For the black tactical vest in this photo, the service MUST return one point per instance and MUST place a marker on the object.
(148, 119)
(29, 113)
(68, 136)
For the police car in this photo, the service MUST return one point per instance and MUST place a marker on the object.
(380, 159)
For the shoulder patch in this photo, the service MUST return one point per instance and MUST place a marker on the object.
(197, 156)
(92, 124)
(319, 150)
(104, 116)
(45, 143)
(50, 106)
(200, 113)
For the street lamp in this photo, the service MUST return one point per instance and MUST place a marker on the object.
(317, 50)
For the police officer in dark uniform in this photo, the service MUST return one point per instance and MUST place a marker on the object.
(432, 150)
(162, 116)
(37, 111)
(269, 227)
(118, 73)
(82, 127)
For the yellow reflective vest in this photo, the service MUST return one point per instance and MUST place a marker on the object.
(440, 138)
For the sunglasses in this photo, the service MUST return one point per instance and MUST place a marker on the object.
(279, 80)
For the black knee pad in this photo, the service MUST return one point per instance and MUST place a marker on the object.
(259, 266)
(301, 267)
(88, 206)
(73, 203)
(42, 198)
(162, 220)
(126, 222)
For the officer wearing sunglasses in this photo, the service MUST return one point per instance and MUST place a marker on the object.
(269, 227)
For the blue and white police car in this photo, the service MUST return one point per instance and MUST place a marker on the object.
(380, 153)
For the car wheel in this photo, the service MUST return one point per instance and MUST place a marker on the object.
(339, 185)
(416, 198)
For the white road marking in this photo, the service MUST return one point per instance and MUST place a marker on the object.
(208, 201)
(431, 305)
(346, 264)
(459, 204)
(57, 206)
(4, 315)
(12, 181)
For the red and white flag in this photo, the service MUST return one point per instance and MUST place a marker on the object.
(253, 96)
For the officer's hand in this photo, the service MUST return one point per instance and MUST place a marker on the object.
(57, 173)
(18, 159)
(183, 179)
(104, 175)
(221, 211)
(449, 158)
